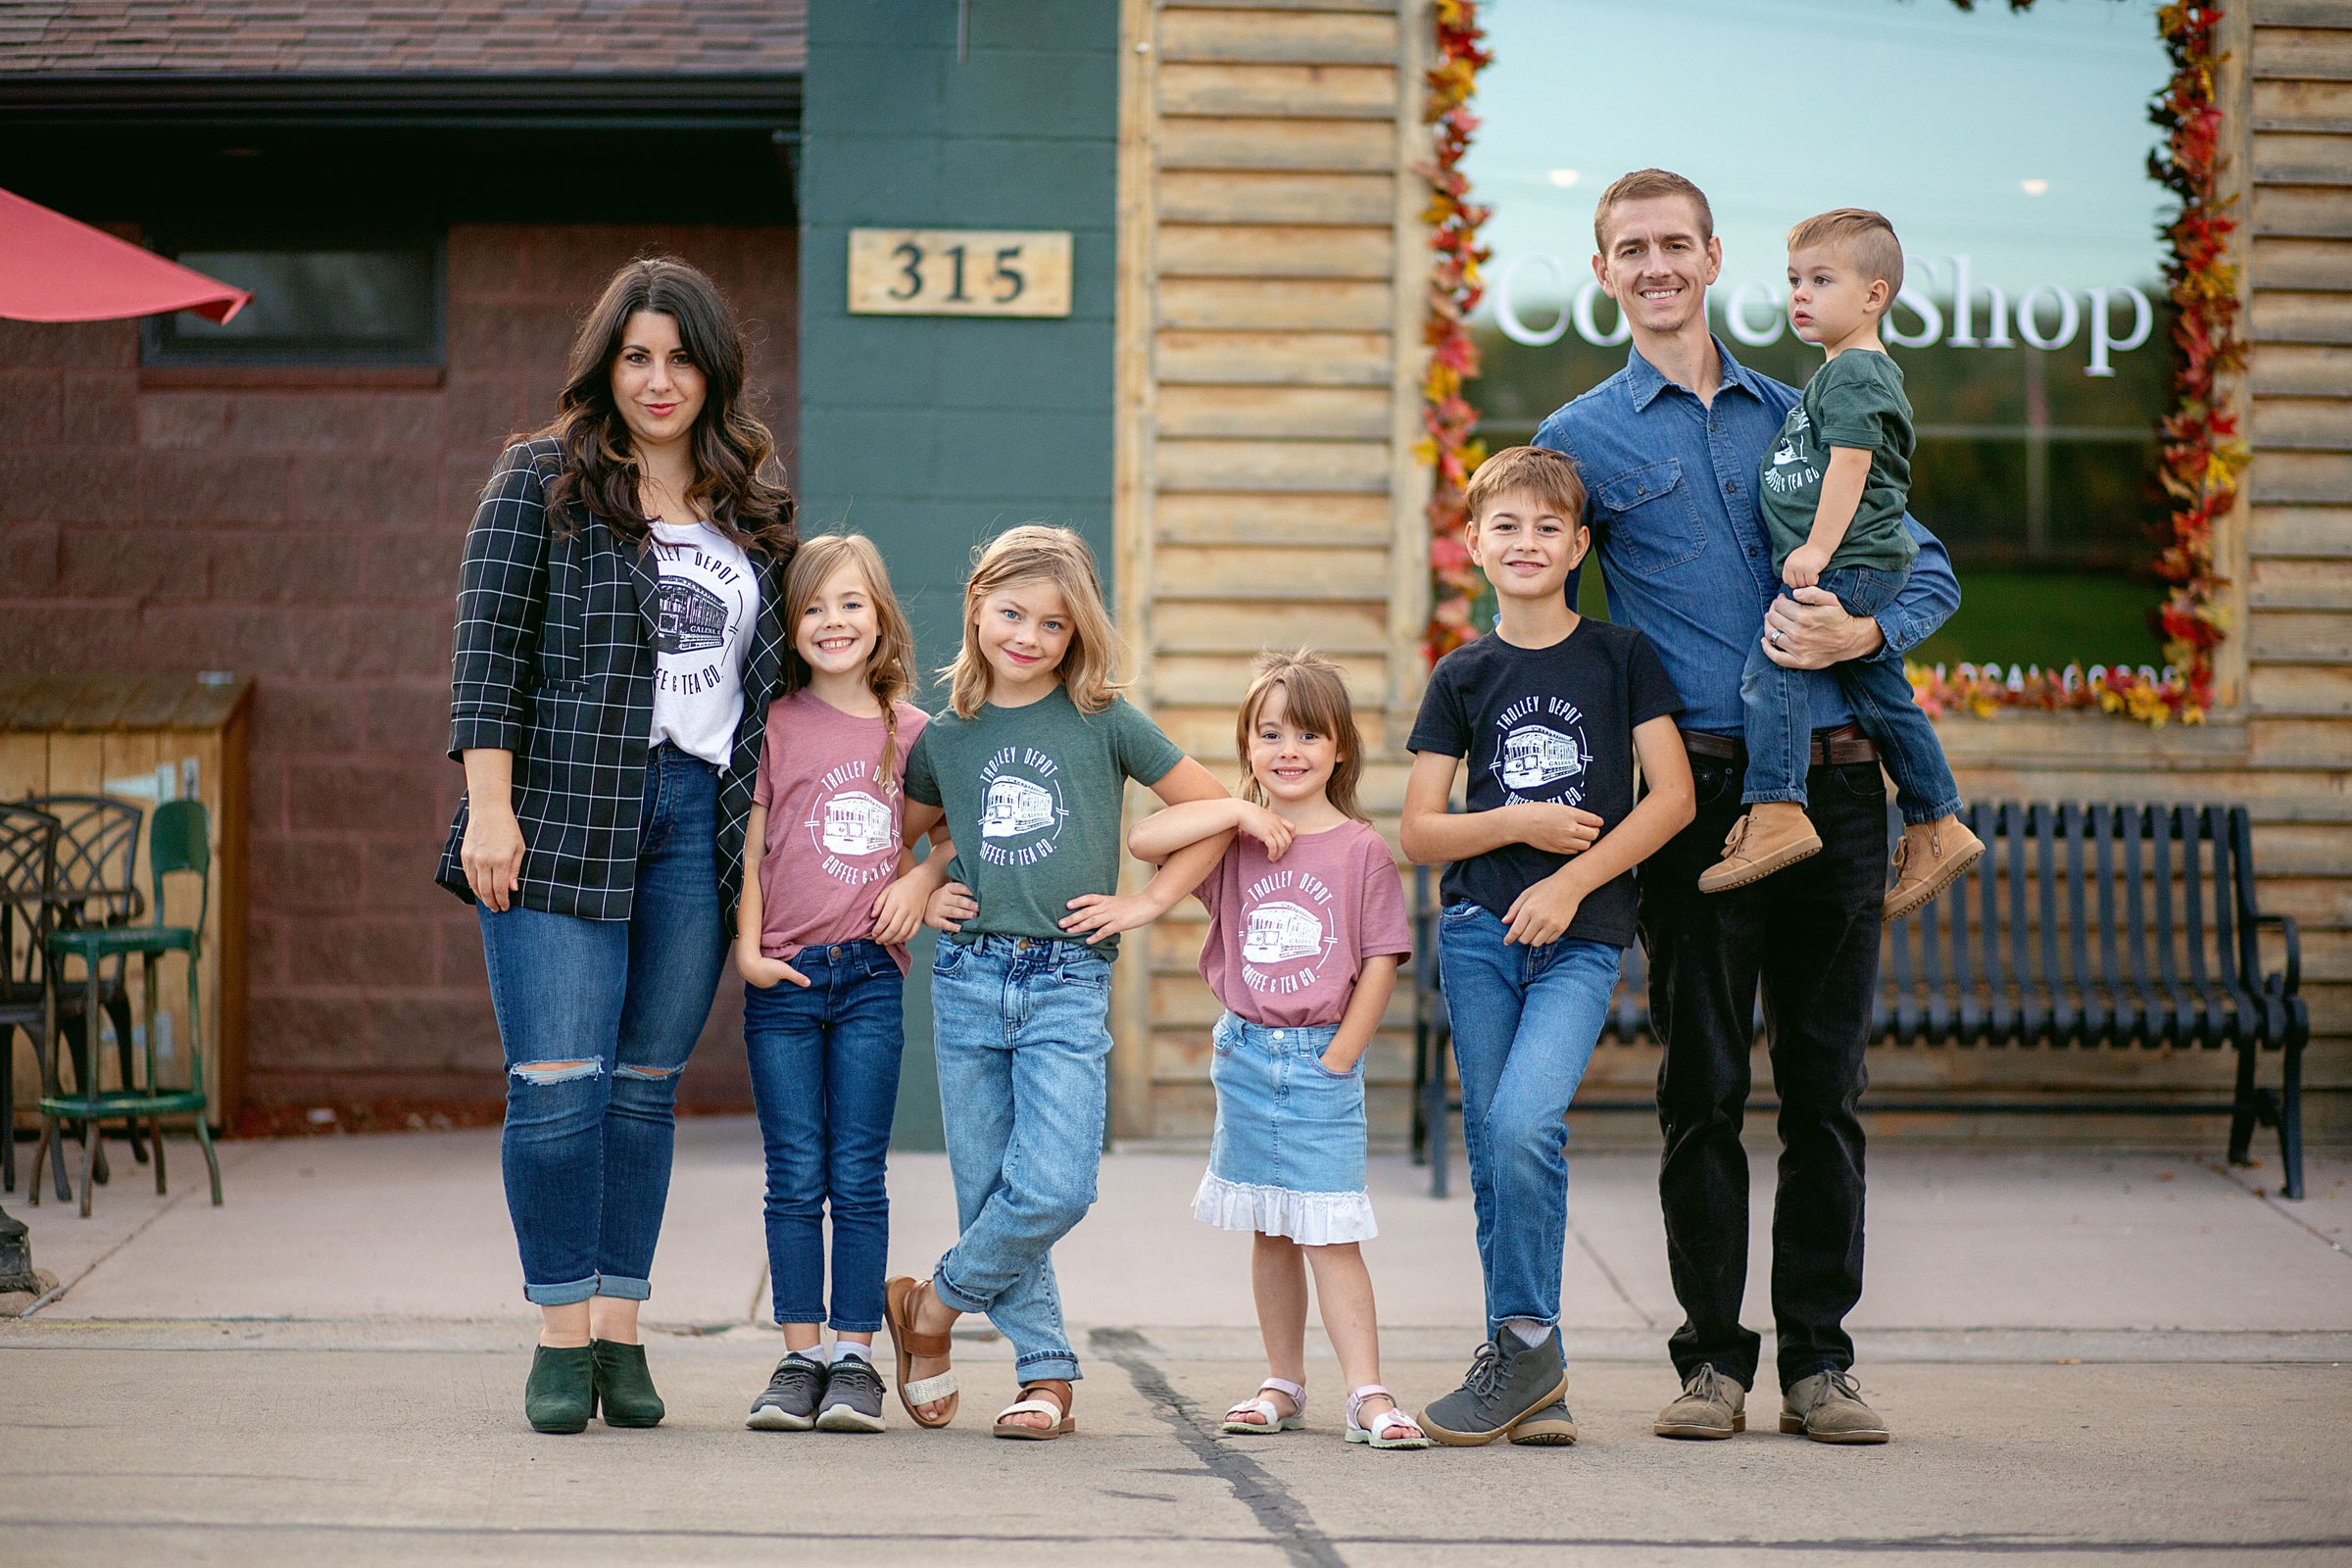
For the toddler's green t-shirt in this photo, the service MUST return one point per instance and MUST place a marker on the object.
(1033, 798)
(1855, 400)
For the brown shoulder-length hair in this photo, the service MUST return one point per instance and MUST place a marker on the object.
(1090, 669)
(1314, 698)
(735, 483)
(890, 669)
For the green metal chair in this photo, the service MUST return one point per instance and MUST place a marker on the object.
(178, 840)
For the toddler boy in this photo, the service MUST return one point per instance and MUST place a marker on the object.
(1832, 496)
(1550, 711)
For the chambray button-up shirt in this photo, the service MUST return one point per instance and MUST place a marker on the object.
(1670, 492)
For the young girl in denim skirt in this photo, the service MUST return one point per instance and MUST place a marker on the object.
(820, 938)
(1030, 763)
(1307, 927)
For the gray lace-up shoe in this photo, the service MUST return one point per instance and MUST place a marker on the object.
(1552, 1427)
(1509, 1380)
(1710, 1405)
(789, 1401)
(852, 1397)
(1827, 1408)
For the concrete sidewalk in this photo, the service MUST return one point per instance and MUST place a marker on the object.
(2081, 1357)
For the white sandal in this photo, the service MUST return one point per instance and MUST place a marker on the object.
(1275, 1420)
(1379, 1432)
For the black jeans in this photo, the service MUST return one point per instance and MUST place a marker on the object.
(1810, 935)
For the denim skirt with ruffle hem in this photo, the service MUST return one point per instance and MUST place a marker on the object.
(1289, 1154)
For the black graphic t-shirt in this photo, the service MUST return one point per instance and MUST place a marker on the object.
(1551, 724)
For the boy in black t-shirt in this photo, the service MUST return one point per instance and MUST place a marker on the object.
(1550, 711)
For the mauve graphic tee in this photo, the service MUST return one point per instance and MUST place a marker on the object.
(834, 824)
(710, 601)
(1286, 938)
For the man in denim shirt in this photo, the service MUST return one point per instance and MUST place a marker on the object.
(1669, 449)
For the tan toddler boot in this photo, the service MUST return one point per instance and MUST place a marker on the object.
(1772, 835)
(1931, 855)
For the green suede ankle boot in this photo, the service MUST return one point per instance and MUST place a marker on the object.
(624, 1386)
(561, 1395)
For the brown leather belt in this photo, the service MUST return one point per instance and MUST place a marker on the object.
(1833, 748)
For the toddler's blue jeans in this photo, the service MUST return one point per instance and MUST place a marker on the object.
(1022, 1045)
(1525, 1023)
(824, 1064)
(1778, 713)
(598, 1018)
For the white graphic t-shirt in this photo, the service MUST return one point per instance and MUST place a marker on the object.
(710, 600)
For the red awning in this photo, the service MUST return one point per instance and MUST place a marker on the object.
(53, 268)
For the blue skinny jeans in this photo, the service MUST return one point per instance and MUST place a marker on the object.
(597, 1019)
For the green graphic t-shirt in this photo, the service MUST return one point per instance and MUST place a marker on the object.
(1033, 797)
(1855, 400)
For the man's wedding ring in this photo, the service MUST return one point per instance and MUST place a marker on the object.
(1775, 636)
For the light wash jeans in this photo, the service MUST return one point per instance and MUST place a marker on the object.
(1525, 1022)
(1019, 1031)
(598, 1018)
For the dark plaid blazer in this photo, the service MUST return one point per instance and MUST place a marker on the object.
(555, 663)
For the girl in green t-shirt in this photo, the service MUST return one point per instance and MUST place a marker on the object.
(1030, 763)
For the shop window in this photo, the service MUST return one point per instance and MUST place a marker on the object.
(2010, 152)
(372, 303)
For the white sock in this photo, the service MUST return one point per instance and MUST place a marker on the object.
(1529, 1331)
(817, 1355)
(851, 1351)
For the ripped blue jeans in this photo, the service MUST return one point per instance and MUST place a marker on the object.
(598, 1018)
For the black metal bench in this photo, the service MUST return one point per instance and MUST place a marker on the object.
(2082, 925)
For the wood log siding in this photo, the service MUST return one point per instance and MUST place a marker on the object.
(1270, 213)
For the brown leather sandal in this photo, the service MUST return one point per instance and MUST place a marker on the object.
(899, 1298)
(1056, 1404)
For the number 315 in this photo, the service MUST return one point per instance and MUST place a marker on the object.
(1006, 276)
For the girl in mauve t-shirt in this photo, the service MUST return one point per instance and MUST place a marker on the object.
(830, 897)
(1307, 927)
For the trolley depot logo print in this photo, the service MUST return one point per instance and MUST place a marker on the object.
(852, 827)
(701, 598)
(1290, 927)
(1021, 810)
(1539, 751)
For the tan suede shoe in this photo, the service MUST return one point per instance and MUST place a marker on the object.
(1772, 835)
(1710, 1405)
(1827, 1408)
(1929, 859)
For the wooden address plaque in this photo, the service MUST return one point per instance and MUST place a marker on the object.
(959, 272)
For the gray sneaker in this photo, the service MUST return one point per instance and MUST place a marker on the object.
(852, 1397)
(789, 1403)
(1552, 1427)
(1827, 1408)
(1710, 1405)
(1509, 1380)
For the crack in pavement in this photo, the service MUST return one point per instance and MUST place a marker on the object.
(1283, 1517)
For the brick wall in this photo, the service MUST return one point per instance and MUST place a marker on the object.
(309, 538)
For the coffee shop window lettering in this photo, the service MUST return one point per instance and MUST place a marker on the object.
(372, 301)
(2033, 322)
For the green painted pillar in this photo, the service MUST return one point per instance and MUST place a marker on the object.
(931, 433)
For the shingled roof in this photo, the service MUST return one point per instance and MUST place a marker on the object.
(638, 38)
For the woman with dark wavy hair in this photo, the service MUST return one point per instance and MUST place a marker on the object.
(619, 637)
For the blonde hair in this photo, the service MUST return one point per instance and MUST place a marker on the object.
(890, 669)
(1639, 186)
(1863, 238)
(1547, 475)
(1314, 698)
(1035, 553)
